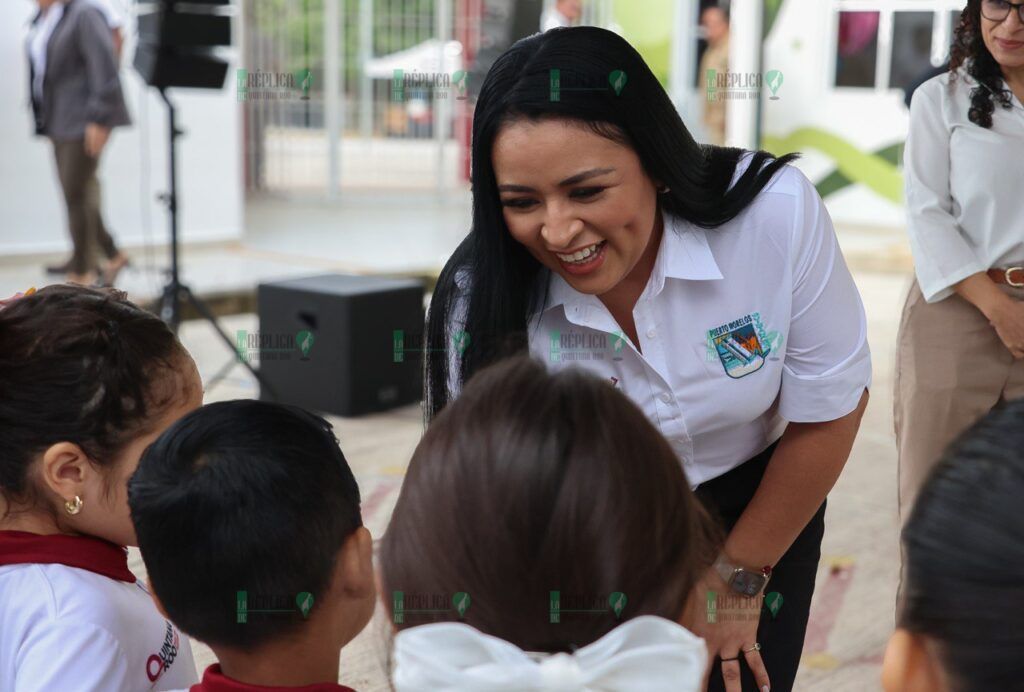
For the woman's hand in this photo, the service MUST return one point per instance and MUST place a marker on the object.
(1005, 314)
(95, 139)
(733, 631)
(1008, 321)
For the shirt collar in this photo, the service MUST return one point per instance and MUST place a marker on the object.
(215, 681)
(83, 552)
(683, 254)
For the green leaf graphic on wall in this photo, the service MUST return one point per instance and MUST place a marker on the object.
(771, 11)
(877, 171)
(648, 27)
(836, 181)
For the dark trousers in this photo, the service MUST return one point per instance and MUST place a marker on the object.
(781, 637)
(81, 188)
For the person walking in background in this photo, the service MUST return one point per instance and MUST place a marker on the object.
(115, 21)
(562, 13)
(76, 101)
(960, 348)
(715, 22)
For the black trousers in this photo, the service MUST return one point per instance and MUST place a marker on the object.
(781, 637)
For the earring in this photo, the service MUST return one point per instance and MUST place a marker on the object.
(73, 507)
(663, 189)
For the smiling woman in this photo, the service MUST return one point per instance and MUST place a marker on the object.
(526, 125)
(715, 283)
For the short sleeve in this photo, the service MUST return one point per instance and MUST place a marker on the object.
(942, 255)
(80, 657)
(827, 365)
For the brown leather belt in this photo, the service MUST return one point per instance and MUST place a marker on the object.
(1011, 276)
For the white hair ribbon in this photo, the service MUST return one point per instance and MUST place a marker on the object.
(645, 653)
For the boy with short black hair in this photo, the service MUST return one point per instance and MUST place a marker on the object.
(248, 520)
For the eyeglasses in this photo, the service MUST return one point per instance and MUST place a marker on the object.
(999, 10)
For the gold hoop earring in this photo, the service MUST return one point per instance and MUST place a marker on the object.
(73, 507)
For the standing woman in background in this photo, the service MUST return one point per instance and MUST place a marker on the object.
(960, 349)
(705, 283)
(76, 101)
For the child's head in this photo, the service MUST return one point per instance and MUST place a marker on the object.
(253, 497)
(87, 381)
(531, 483)
(959, 629)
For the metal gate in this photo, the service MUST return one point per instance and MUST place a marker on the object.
(344, 95)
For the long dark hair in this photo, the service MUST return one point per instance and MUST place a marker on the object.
(78, 365)
(964, 546)
(530, 483)
(969, 49)
(504, 278)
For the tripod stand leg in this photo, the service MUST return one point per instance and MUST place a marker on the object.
(170, 307)
(209, 317)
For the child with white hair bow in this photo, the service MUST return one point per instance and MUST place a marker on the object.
(545, 539)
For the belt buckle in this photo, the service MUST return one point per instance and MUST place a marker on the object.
(1015, 284)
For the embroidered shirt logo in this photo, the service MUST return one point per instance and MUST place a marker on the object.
(741, 345)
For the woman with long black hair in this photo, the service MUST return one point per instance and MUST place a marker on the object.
(706, 283)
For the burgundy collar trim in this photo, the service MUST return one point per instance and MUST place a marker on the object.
(83, 552)
(215, 681)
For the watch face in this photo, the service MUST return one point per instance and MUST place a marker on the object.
(747, 583)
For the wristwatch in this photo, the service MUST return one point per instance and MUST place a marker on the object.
(743, 581)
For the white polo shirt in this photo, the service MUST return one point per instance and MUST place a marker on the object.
(73, 617)
(742, 328)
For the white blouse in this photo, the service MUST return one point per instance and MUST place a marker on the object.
(964, 186)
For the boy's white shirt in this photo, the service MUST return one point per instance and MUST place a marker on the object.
(65, 628)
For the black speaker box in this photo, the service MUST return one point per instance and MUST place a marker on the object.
(171, 67)
(330, 343)
(171, 29)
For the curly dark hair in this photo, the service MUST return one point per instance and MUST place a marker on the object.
(81, 365)
(969, 49)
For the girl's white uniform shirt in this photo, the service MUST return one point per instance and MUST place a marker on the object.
(742, 329)
(965, 208)
(84, 628)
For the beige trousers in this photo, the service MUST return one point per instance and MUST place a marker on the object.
(951, 369)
